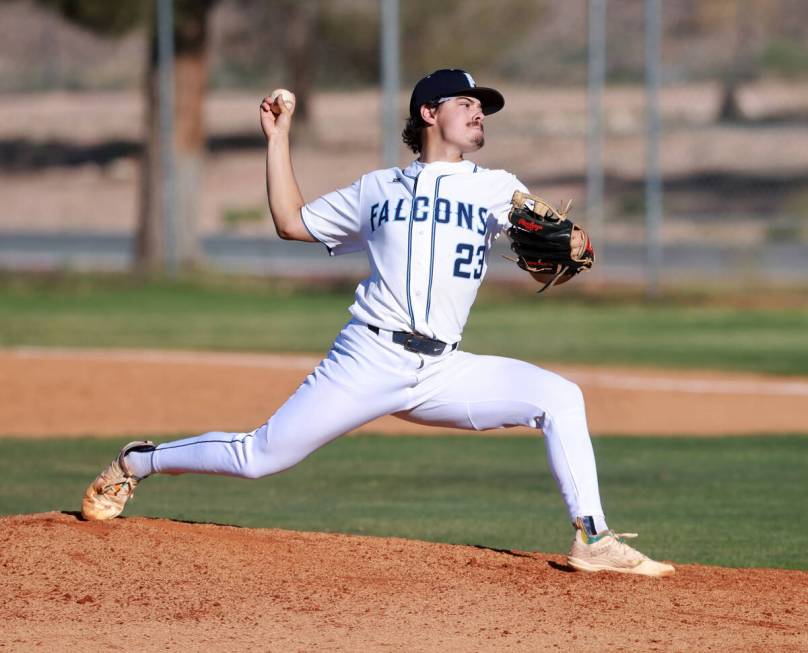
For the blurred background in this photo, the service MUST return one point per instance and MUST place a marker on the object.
(678, 128)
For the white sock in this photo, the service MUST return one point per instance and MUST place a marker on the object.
(139, 463)
(600, 523)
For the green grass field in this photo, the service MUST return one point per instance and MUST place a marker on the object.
(262, 316)
(729, 501)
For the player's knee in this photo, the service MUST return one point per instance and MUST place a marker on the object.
(254, 466)
(268, 466)
(252, 473)
(270, 455)
(575, 395)
(261, 465)
(256, 459)
(567, 397)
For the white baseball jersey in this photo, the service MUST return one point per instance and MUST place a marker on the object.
(427, 230)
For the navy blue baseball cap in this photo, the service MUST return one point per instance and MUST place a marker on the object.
(449, 82)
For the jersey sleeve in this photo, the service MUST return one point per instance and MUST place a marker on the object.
(333, 219)
(503, 206)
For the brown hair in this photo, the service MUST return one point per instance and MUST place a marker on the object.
(413, 130)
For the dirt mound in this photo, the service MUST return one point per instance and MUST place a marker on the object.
(151, 584)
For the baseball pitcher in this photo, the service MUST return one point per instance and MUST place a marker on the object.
(427, 230)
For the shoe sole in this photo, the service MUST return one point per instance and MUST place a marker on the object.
(95, 509)
(582, 565)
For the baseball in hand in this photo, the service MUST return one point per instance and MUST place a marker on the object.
(281, 94)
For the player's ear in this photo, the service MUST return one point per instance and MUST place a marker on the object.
(428, 114)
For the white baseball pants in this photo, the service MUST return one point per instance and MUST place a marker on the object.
(366, 376)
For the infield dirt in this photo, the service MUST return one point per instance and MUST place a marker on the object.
(155, 585)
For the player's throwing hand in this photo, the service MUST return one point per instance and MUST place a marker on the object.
(276, 111)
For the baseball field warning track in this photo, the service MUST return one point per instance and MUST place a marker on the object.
(155, 585)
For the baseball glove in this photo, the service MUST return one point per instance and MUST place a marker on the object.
(545, 241)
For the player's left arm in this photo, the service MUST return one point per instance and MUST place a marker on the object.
(549, 246)
(543, 278)
(577, 241)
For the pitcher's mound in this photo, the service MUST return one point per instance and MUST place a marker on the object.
(153, 585)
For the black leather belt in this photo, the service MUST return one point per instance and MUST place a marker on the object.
(417, 343)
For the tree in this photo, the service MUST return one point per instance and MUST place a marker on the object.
(301, 22)
(742, 65)
(191, 75)
(190, 85)
(750, 23)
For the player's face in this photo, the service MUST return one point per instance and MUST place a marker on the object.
(461, 123)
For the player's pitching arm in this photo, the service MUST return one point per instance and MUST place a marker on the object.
(283, 192)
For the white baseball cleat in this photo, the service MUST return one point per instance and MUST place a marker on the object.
(608, 552)
(107, 495)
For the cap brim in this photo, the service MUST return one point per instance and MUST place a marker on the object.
(490, 99)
